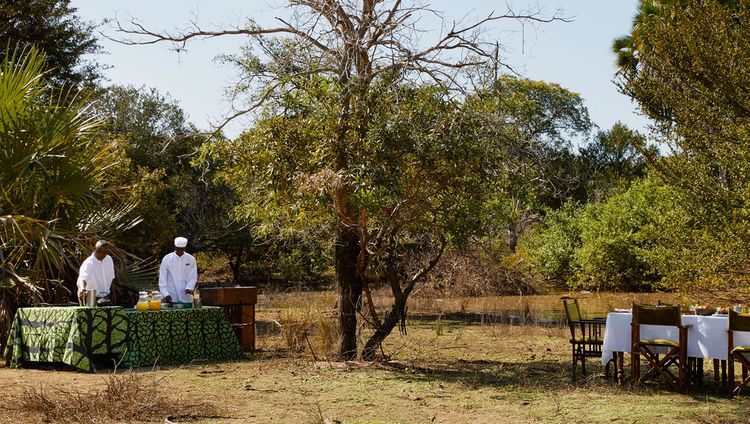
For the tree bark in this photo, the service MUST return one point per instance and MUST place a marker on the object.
(349, 286)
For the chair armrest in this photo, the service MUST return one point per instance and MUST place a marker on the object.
(589, 329)
(592, 321)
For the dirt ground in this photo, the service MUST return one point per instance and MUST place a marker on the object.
(439, 372)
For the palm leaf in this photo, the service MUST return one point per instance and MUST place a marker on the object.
(52, 183)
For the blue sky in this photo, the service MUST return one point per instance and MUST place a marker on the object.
(575, 55)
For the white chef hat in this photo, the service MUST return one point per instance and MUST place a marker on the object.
(180, 242)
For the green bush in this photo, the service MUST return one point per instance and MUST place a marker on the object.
(551, 245)
(612, 245)
(619, 235)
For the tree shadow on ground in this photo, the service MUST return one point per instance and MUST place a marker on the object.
(539, 375)
(547, 374)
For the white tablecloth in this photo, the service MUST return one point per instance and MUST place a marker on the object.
(707, 336)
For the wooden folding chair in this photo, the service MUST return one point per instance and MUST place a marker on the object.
(737, 322)
(676, 351)
(586, 335)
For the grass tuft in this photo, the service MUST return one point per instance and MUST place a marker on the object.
(308, 329)
(122, 397)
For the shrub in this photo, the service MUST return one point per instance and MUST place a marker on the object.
(123, 397)
(618, 244)
(619, 236)
(551, 244)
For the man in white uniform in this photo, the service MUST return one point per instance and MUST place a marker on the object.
(178, 274)
(97, 271)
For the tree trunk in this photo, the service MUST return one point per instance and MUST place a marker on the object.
(236, 265)
(397, 313)
(390, 321)
(512, 236)
(349, 289)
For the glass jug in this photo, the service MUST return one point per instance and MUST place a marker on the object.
(142, 304)
(154, 303)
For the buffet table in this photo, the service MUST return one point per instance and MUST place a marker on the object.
(707, 335)
(179, 336)
(74, 335)
(69, 335)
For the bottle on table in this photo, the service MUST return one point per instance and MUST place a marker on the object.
(154, 303)
(142, 304)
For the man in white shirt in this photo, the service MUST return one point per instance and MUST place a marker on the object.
(97, 271)
(178, 274)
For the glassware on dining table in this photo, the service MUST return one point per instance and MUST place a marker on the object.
(705, 310)
(722, 310)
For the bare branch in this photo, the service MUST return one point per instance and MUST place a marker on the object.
(422, 273)
(349, 41)
(258, 103)
(181, 39)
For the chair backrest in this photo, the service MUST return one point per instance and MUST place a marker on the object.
(657, 315)
(572, 311)
(738, 322)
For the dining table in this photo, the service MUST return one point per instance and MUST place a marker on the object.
(707, 336)
(179, 336)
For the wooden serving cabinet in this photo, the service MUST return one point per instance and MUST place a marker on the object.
(239, 306)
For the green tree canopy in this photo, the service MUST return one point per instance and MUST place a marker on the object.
(54, 28)
(625, 242)
(619, 238)
(175, 188)
(691, 77)
(342, 58)
(419, 183)
(531, 125)
(613, 160)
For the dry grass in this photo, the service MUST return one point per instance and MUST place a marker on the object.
(308, 330)
(468, 373)
(498, 308)
(442, 371)
(121, 397)
(446, 370)
(306, 323)
(548, 305)
(472, 373)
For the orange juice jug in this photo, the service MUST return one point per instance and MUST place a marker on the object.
(142, 304)
(154, 303)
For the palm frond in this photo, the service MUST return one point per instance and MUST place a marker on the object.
(52, 179)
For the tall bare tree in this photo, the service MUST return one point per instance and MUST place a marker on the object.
(356, 44)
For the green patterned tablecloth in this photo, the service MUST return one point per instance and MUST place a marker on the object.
(179, 336)
(66, 334)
